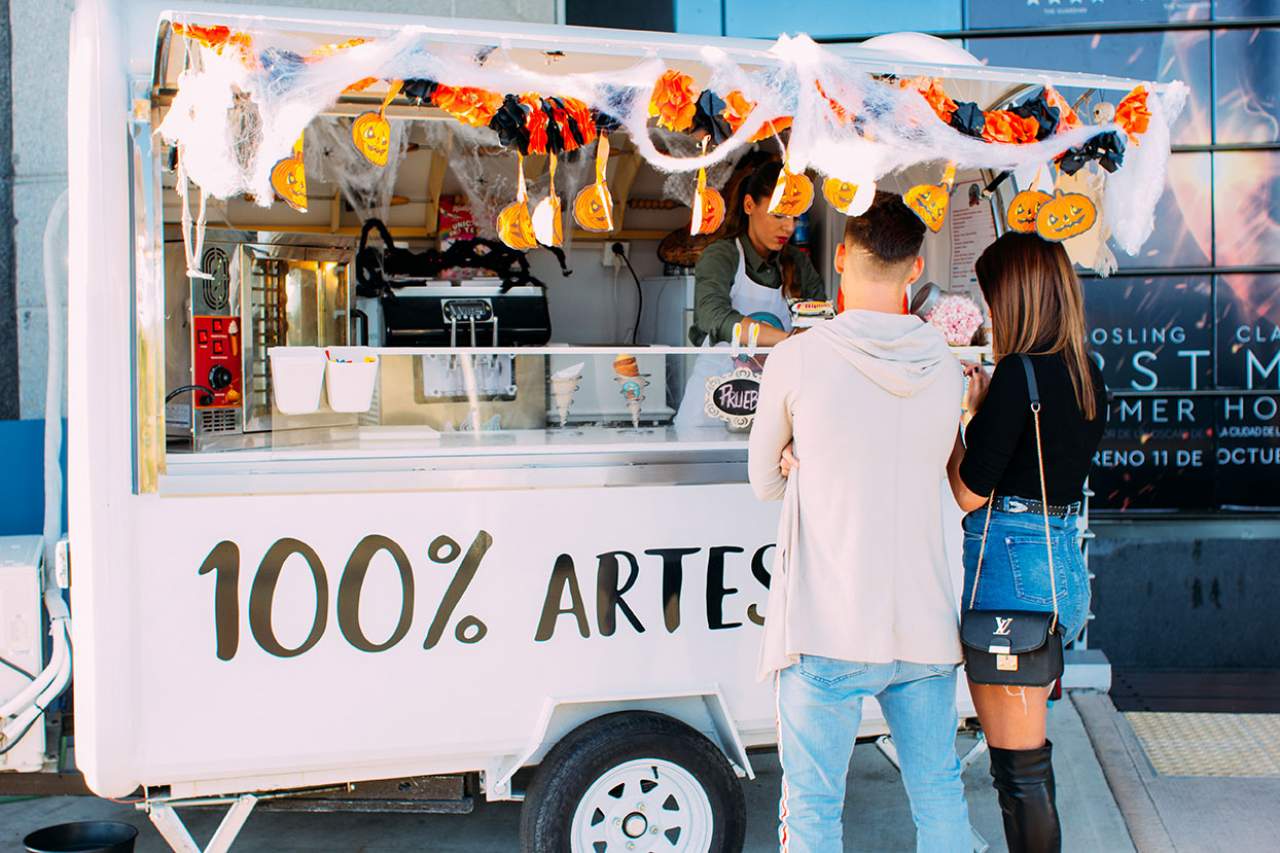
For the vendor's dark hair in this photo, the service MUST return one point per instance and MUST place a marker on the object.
(888, 230)
(757, 180)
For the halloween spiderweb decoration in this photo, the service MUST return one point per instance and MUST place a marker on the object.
(843, 120)
(331, 158)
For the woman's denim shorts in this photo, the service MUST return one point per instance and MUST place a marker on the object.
(1015, 567)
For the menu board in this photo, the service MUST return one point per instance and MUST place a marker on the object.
(973, 228)
(1191, 363)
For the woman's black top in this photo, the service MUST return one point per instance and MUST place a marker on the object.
(1000, 442)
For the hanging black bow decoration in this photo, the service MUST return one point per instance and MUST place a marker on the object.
(1037, 107)
(555, 134)
(419, 90)
(1107, 148)
(606, 123)
(708, 117)
(509, 123)
(968, 119)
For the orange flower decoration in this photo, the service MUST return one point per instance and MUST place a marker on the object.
(837, 109)
(360, 85)
(1004, 126)
(1067, 118)
(736, 109)
(467, 104)
(326, 50)
(535, 123)
(674, 101)
(771, 127)
(930, 88)
(215, 38)
(1132, 113)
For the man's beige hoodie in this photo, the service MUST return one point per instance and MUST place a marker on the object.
(872, 403)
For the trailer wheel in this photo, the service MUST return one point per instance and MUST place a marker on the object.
(634, 782)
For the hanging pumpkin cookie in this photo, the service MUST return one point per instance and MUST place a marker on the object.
(708, 205)
(929, 201)
(593, 207)
(1023, 210)
(1089, 249)
(371, 132)
(289, 178)
(849, 198)
(1066, 215)
(793, 194)
(515, 225)
(547, 225)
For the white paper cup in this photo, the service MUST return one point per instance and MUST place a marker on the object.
(350, 379)
(297, 375)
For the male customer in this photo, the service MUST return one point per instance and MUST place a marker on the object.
(861, 602)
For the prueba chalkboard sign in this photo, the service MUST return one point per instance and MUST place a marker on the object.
(732, 397)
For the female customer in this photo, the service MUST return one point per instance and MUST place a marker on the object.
(1037, 309)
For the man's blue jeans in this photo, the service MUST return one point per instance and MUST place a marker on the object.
(819, 710)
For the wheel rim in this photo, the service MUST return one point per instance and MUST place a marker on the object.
(644, 806)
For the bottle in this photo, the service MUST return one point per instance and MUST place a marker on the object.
(800, 237)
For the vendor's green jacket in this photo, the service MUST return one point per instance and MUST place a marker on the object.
(713, 313)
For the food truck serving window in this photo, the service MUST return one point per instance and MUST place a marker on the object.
(375, 255)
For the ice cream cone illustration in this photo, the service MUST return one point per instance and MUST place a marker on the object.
(564, 384)
(632, 390)
(633, 406)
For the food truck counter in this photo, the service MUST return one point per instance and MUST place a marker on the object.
(387, 418)
(365, 459)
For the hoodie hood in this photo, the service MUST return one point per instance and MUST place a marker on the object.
(899, 352)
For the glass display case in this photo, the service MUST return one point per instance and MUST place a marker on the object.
(372, 418)
(559, 399)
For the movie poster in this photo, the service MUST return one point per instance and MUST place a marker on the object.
(1192, 360)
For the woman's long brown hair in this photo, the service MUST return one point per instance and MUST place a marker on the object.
(1037, 306)
(758, 182)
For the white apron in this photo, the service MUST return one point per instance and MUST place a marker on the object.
(747, 298)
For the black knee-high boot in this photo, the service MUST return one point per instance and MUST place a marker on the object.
(1024, 780)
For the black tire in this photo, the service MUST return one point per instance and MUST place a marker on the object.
(576, 762)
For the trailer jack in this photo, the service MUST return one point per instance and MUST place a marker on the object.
(165, 817)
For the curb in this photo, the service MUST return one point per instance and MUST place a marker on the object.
(1125, 767)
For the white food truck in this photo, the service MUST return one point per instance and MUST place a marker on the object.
(350, 525)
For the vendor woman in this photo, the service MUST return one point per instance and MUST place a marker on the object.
(753, 272)
(749, 277)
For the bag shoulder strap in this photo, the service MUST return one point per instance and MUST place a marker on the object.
(1033, 392)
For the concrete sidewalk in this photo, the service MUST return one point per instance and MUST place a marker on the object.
(1190, 782)
(877, 816)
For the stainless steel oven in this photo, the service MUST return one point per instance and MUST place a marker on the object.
(219, 326)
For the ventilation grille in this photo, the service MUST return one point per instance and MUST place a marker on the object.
(218, 421)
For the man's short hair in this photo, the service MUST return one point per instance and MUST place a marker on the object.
(889, 231)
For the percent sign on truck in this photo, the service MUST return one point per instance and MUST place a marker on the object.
(224, 562)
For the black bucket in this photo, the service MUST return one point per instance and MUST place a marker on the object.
(86, 836)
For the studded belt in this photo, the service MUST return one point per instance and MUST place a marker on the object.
(1005, 503)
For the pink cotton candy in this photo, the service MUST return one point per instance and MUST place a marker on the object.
(958, 318)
